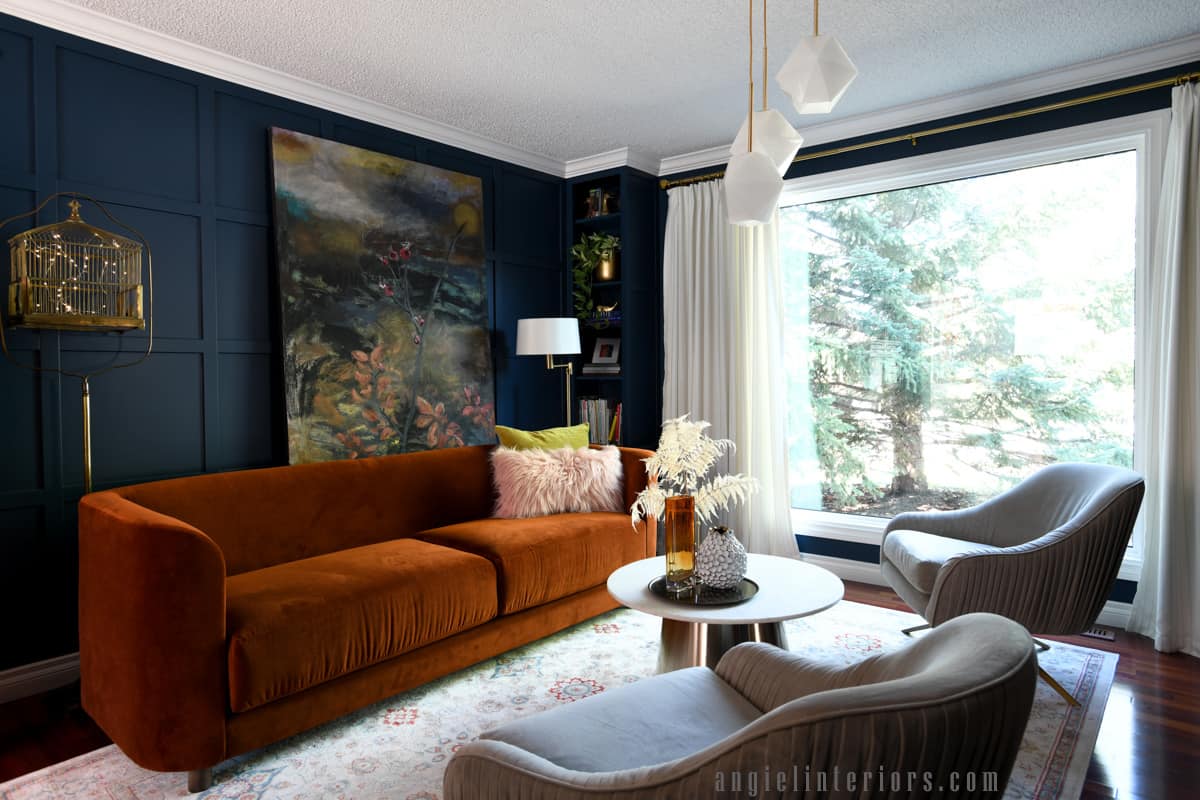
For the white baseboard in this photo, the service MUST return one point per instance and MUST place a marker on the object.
(848, 569)
(38, 677)
(1114, 614)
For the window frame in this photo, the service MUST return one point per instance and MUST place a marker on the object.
(1143, 133)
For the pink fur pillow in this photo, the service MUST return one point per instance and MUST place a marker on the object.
(533, 483)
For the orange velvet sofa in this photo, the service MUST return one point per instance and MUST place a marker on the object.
(221, 613)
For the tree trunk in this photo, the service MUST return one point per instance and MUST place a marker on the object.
(904, 409)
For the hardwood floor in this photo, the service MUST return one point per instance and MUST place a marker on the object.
(1149, 745)
(45, 729)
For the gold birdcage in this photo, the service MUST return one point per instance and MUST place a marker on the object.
(74, 276)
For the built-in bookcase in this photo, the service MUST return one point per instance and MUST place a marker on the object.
(621, 202)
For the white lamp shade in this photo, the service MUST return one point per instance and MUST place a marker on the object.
(547, 336)
(774, 136)
(816, 74)
(752, 188)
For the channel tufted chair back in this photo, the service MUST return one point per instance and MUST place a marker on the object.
(942, 717)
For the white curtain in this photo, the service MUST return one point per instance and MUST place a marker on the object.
(723, 341)
(1167, 605)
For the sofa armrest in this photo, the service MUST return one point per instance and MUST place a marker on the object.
(152, 633)
(633, 467)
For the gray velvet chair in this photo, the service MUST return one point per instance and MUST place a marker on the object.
(1045, 553)
(956, 700)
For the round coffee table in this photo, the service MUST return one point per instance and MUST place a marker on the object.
(694, 635)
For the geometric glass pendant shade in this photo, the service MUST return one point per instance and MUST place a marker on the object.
(816, 74)
(752, 187)
(773, 136)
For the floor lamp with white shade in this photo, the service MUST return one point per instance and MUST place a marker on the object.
(550, 336)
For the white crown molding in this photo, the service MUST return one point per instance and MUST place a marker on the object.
(97, 27)
(621, 157)
(1089, 73)
(686, 162)
(38, 677)
(123, 35)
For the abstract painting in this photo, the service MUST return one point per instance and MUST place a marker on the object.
(383, 302)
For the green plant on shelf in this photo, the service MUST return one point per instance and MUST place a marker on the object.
(586, 255)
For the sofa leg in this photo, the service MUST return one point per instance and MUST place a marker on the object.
(199, 780)
(914, 629)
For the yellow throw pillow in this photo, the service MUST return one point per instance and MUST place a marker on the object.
(550, 439)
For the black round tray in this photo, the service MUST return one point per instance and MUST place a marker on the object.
(701, 595)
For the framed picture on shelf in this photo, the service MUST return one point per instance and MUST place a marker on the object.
(607, 351)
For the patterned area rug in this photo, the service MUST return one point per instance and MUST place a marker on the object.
(398, 749)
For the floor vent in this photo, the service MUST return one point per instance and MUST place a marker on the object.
(1098, 632)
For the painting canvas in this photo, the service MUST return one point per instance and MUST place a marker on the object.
(384, 302)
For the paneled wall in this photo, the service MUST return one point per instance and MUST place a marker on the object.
(185, 159)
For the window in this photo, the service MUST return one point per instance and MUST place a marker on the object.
(956, 321)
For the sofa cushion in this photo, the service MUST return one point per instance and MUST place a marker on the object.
(296, 625)
(918, 556)
(544, 558)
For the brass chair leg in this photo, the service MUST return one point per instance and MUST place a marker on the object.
(199, 780)
(915, 628)
(1058, 687)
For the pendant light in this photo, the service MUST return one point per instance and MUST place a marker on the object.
(818, 71)
(775, 136)
(753, 182)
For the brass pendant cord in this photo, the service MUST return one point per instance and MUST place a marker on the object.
(85, 376)
(764, 79)
(1176, 80)
(750, 118)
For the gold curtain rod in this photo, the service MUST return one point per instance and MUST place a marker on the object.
(1177, 80)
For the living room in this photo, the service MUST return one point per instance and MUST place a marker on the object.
(951, 278)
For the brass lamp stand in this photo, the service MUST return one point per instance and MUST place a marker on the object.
(75, 277)
(550, 336)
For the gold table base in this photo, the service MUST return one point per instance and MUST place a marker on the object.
(699, 644)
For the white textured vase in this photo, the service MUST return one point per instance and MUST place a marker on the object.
(721, 559)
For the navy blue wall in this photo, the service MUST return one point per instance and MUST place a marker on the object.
(1112, 108)
(184, 158)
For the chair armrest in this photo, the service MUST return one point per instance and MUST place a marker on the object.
(152, 633)
(966, 523)
(769, 677)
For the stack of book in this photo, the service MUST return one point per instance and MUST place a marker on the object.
(603, 419)
(601, 369)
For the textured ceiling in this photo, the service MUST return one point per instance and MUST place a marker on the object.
(572, 78)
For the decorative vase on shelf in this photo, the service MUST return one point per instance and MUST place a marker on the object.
(679, 533)
(721, 559)
(606, 267)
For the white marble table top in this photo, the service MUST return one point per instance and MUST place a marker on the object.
(787, 588)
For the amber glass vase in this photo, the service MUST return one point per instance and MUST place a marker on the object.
(679, 530)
